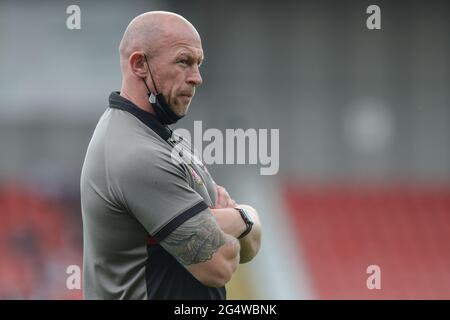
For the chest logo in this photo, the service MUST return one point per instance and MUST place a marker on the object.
(197, 179)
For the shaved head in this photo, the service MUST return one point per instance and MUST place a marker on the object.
(150, 31)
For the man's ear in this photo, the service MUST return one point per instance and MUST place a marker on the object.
(138, 65)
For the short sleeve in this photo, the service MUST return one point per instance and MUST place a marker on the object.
(156, 191)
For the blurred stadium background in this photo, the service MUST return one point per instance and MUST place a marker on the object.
(364, 119)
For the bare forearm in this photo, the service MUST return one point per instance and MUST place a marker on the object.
(251, 243)
(231, 223)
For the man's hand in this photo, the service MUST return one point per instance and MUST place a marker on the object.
(223, 199)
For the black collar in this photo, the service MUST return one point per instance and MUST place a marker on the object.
(150, 120)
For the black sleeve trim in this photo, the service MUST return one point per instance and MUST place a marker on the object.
(180, 219)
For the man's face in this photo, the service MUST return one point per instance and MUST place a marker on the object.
(176, 70)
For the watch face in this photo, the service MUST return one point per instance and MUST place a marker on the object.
(248, 216)
(248, 221)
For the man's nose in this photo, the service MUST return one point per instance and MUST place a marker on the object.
(195, 78)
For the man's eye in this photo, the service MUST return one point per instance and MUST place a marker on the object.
(185, 62)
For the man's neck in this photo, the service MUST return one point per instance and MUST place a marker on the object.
(138, 99)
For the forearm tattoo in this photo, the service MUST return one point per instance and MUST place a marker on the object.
(196, 240)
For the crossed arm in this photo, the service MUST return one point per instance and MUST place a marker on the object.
(207, 252)
(207, 244)
(231, 223)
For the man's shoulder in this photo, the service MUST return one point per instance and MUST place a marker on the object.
(122, 132)
(124, 124)
(130, 144)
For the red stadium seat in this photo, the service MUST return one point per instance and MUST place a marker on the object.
(404, 230)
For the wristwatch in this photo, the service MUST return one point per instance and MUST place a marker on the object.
(247, 219)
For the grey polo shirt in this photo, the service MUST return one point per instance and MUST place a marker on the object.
(134, 193)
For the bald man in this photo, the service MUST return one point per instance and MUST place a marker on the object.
(156, 228)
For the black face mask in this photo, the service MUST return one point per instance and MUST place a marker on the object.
(163, 111)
